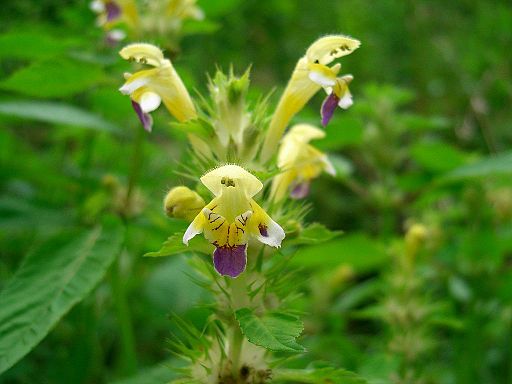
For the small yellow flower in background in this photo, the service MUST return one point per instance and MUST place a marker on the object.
(183, 203)
(310, 75)
(232, 218)
(148, 88)
(299, 162)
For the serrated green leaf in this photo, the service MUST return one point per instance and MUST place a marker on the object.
(54, 78)
(51, 280)
(55, 113)
(317, 376)
(174, 246)
(496, 166)
(274, 331)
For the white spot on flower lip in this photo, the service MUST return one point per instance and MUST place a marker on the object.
(150, 101)
(130, 86)
(321, 79)
(191, 231)
(97, 6)
(274, 234)
(346, 101)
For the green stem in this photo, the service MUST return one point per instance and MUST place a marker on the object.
(135, 166)
(128, 357)
(239, 299)
(236, 339)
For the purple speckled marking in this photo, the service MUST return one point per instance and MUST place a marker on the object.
(144, 118)
(230, 261)
(113, 10)
(328, 107)
(300, 190)
(263, 230)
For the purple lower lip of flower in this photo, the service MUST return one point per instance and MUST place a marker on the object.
(144, 117)
(328, 106)
(300, 190)
(113, 10)
(230, 261)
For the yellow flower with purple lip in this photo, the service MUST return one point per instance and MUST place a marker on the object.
(299, 162)
(150, 87)
(232, 218)
(312, 73)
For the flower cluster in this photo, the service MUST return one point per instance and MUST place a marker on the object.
(156, 18)
(227, 133)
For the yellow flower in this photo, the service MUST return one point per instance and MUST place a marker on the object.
(232, 218)
(310, 75)
(149, 87)
(299, 162)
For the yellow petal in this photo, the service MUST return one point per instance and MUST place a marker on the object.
(328, 48)
(143, 53)
(232, 175)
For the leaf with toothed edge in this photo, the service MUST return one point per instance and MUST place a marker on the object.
(174, 246)
(275, 331)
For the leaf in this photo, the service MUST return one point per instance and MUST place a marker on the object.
(341, 132)
(342, 166)
(30, 45)
(317, 376)
(437, 156)
(274, 331)
(174, 246)
(355, 250)
(51, 280)
(56, 113)
(54, 78)
(495, 166)
(158, 374)
(315, 233)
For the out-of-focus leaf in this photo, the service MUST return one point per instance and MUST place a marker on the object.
(169, 286)
(422, 123)
(341, 132)
(19, 214)
(317, 376)
(194, 27)
(356, 250)
(217, 8)
(315, 233)
(495, 166)
(274, 331)
(342, 166)
(437, 156)
(54, 78)
(160, 373)
(55, 113)
(30, 45)
(174, 246)
(51, 280)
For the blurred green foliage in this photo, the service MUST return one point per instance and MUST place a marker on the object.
(427, 140)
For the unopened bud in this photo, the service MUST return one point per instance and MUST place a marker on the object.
(183, 203)
(414, 238)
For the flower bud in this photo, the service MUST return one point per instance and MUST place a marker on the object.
(183, 203)
(414, 238)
